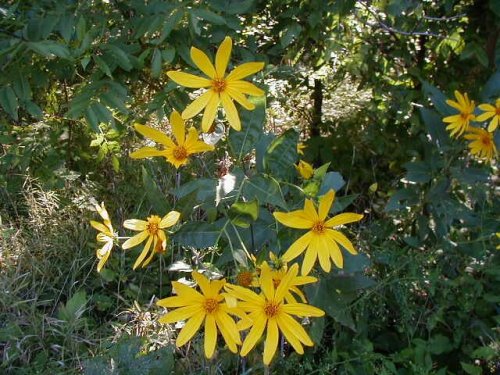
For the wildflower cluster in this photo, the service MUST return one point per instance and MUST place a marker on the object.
(482, 139)
(266, 298)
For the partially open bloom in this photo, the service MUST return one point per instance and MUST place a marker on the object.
(492, 112)
(270, 310)
(482, 143)
(321, 241)
(207, 307)
(300, 148)
(221, 88)
(459, 123)
(305, 169)
(152, 230)
(176, 152)
(106, 235)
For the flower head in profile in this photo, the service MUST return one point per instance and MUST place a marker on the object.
(152, 231)
(270, 310)
(221, 88)
(300, 148)
(106, 235)
(482, 143)
(207, 307)
(178, 151)
(305, 169)
(321, 241)
(490, 111)
(459, 123)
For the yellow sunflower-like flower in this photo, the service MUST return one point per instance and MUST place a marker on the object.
(300, 148)
(321, 241)
(269, 309)
(221, 88)
(207, 307)
(492, 112)
(482, 143)
(152, 230)
(305, 169)
(176, 152)
(459, 123)
(106, 235)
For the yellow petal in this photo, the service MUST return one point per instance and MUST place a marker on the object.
(485, 116)
(136, 240)
(99, 226)
(245, 87)
(493, 124)
(210, 112)
(335, 253)
(170, 219)
(190, 328)
(174, 301)
(343, 240)
(178, 128)
(244, 294)
(325, 203)
(294, 219)
(245, 70)
(229, 331)
(135, 224)
(151, 254)
(144, 253)
(189, 80)
(295, 328)
(302, 309)
(453, 118)
(155, 135)
(187, 292)
(202, 61)
(241, 99)
(210, 336)
(487, 107)
(297, 247)
(222, 56)
(193, 145)
(310, 211)
(271, 343)
(344, 218)
(197, 105)
(254, 335)
(266, 285)
(146, 152)
(289, 334)
(309, 259)
(323, 244)
(231, 112)
(203, 283)
(179, 314)
(286, 282)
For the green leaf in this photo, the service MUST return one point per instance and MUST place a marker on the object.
(407, 195)
(471, 369)
(491, 89)
(92, 119)
(495, 7)
(168, 54)
(155, 196)
(265, 189)
(243, 214)
(156, 63)
(49, 48)
(8, 101)
(232, 6)
(74, 307)
(198, 234)
(209, 16)
(112, 100)
(438, 99)
(120, 57)
(281, 155)
(292, 33)
(418, 171)
(171, 22)
(332, 180)
(435, 127)
(252, 122)
(102, 66)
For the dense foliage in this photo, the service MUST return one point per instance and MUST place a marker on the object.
(364, 85)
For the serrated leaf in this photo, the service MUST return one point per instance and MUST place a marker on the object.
(417, 171)
(435, 127)
(437, 98)
(332, 180)
(243, 214)
(265, 189)
(197, 234)
(120, 56)
(49, 48)
(281, 155)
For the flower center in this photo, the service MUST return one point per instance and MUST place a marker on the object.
(271, 309)
(486, 141)
(497, 112)
(180, 153)
(219, 85)
(153, 225)
(319, 227)
(244, 278)
(210, 305)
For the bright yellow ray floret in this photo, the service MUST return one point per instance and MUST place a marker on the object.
(152, 230)
(196, 308)
(321, 241)
(459, 123)
(106, 235)
(221, 88)
(492, 112)
(270, 311)
(176, 152)
(305, 169)
(482, 143)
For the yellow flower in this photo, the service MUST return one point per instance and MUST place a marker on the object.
(105, 235)
(490, 111)
(176, 152)
(460, 122)
(278, 274)
(247, 277)
(321, 241)
(482, 145)
(300, 148)
(305, 169)
(208, 307)
(269, 309)
(222, 88)
(152, 231)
